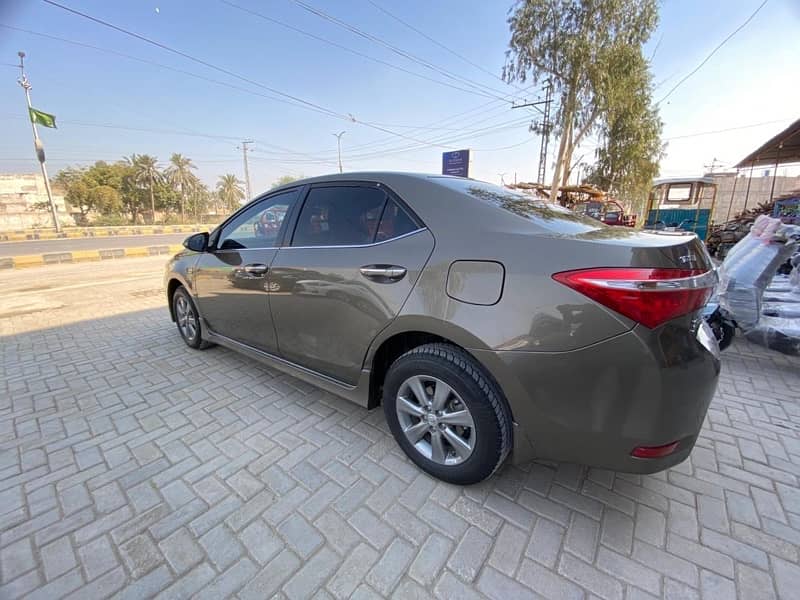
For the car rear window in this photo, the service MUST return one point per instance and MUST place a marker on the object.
(394, 223)
(548, 216)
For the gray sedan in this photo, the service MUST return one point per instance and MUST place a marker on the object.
(487, 323)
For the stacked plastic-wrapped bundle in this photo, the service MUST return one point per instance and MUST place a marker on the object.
(782, 297)
(748, 269)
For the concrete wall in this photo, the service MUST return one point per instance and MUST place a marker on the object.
(19, 192)
(760, 187)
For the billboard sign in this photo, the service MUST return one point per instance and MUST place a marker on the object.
(456, 163)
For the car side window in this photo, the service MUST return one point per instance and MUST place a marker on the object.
(260, 225)
(394, 222)
(339, 216)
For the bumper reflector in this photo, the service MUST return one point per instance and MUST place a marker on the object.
(654, 451)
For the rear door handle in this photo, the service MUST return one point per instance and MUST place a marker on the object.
(383, 272)
(256, 270)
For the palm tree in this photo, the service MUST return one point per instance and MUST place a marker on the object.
(180, 176)
(146, 175)
(230, 191)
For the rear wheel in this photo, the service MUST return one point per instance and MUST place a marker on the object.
(187, 319)
(446, 414)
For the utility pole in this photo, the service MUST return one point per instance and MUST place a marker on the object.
(715, 162)
(339, 146)
(544, 129)
(245, 150)
(37, 143)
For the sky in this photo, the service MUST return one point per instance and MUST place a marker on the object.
(114, 95)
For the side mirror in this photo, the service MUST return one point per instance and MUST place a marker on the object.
(197, 242)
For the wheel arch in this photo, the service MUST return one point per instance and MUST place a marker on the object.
(405, 334)
(173, 284)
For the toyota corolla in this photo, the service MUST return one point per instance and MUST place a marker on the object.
(485, 322)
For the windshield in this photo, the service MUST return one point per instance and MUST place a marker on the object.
(549, 216)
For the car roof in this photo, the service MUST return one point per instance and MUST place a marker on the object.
(376, 176)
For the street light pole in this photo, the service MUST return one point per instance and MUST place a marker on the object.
(339, 147)
(37, 143)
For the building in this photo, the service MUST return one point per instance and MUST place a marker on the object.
(730, 201)
(24, 205)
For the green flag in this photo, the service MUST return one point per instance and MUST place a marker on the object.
(42, 118)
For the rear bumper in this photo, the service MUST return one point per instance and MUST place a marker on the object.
(595, 405)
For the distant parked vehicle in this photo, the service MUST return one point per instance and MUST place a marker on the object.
(487, 322)
(609, 212)
(682, 203)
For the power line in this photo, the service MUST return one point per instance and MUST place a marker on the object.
(169, 68)
(449, 142)
(350, 50)
(714, 51)
(751, 125)
(299, 101)
(150, 62)
(397, 50)
(465, 122)
(439, 44)
(200, 61)
(385, 141)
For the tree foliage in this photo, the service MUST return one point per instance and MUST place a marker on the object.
(95, 189)
(285, 179)
(630, 150)
(146, 175)
(230, 191)
(133, 187)
(579, 47)
(180, 176)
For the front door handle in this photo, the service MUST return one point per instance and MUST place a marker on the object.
(383, 273)
(256, 270)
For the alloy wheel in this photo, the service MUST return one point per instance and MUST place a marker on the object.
(186, 317)
(435, 419)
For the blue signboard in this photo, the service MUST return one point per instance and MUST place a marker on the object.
(456, 163)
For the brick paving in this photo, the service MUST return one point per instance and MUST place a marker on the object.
(133, 467)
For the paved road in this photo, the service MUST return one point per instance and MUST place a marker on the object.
(130, 464)
(98, 243)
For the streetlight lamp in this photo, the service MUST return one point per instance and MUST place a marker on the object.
(339, 147)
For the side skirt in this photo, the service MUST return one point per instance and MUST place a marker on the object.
(359, 393)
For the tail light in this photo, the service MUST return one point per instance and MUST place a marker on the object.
(648, 296)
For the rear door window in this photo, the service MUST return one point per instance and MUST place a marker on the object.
(340, 216)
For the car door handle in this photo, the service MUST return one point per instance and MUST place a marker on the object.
(256, 270)
(383, 272)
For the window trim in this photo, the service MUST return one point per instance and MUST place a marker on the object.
(390, 196)
(369, 245)
(285, 226)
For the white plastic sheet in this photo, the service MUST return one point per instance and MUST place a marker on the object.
(748, 270)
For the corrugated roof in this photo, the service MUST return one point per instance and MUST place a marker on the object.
(782, 149)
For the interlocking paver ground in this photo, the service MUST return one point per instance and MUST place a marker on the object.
(132, 465)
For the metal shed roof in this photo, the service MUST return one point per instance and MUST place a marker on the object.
(782, 149)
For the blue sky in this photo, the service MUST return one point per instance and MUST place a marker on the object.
(751, 80)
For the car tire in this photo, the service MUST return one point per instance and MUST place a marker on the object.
(188, 319)
(437, 436)
(726, 334)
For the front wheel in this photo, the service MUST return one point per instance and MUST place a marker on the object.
(447, 414)
(187, 319)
